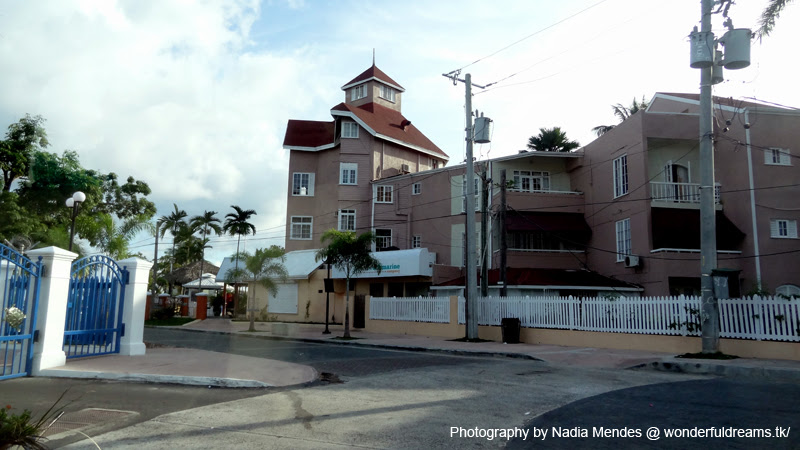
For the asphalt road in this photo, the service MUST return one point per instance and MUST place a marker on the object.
(646, 414)
(341, 360)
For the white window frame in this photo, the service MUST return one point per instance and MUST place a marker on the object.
(477, 195)
(416, 188)
(531, 177)
(623, 234)
(347, 220)
(383, 194)
(783, 229)
(358, 92)
(348, 173)
(789, 290)
(301, 223)
(416, 241)
(349, 130)
(777, 157)
(301, 187)
(382, 239)
(388, 93)
(620, 169)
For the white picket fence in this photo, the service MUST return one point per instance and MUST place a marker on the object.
(761, 318)
(413, 309)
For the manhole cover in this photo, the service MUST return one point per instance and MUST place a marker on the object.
(77, 420)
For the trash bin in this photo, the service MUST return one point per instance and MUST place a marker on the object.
(510, 327)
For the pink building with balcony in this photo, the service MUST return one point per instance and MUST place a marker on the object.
(620, 216)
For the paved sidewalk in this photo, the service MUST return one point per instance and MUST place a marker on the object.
(190, 366)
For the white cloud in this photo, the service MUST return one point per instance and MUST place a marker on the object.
(193, 97)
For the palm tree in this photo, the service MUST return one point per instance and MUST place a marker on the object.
(203, 223)
(114, 236)
(552, 140)
(349, 253)
(768, 17)
(189, 247)
(172, 223)
(236, 224)
(264, 267)
(623, 113)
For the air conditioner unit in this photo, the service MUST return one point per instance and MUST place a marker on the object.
(632, 261)
(404, 168)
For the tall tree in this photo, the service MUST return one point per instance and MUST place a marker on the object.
(552, 140)
(769, 16)
(351, 254)
(204, 223)
(236, 224)
(115, 234)
(16, 151)
(622, 113)
(264, 267)
(172, 222)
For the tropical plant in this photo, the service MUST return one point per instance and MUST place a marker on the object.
(552, 140)
(23, 138)
(264, 267)
(115, 234)
(622, 113)
(202, 224)
(768, 17)
(172, 222)
(23, 431)
(351, 254)
(236, 224)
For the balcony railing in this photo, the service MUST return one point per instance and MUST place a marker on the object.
(678, 192)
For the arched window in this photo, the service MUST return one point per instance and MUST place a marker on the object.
(788, 290)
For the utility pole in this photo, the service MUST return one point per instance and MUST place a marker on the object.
(471, 312)
(155, 267)
(484, 233)
(503, 238)
(471, 285)
(708, 237)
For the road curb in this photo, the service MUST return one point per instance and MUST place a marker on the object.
(411, 348)
(155, 378)
(723, 370)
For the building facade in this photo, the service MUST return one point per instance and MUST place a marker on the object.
(619, 216)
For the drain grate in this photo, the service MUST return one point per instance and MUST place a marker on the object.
(77, 420)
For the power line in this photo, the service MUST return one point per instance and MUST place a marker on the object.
(530, 36)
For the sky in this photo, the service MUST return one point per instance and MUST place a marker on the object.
(193, 97)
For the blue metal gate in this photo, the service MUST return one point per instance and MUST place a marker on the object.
(94, 307)
(19, 303)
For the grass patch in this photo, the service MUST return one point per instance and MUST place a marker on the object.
(701, 355)
(470, 340)
(172, 322)
(342, 338)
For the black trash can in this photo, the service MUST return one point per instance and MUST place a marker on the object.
(510, 327)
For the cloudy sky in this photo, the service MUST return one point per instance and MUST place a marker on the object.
(193, 96)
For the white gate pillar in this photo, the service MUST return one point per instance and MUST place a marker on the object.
(135, 301)
(48, 352)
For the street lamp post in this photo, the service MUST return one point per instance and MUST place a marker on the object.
(74, 203)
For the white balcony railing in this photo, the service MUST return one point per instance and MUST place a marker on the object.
(678, 192)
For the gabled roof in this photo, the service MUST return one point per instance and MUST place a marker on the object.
(309, 135)
(373, 73)
(386, 123)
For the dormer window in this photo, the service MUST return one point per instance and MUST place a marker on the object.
(358, 92)
(387, 93)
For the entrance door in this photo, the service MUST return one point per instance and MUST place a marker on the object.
(19, 300)
(94, 307)
(359, 311)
